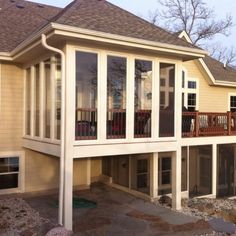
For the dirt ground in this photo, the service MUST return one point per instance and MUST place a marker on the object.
(117, 213)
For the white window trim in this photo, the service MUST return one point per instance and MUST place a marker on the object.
(21, 176)
(229, 98)
(187, 90)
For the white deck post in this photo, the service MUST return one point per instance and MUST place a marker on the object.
(214, 170)
(69, 137)
(154, 175)
(176, 179)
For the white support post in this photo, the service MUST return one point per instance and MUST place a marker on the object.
(102, 97)
(69, 136)
(176, 179)
(68, 193)
(214, 170)
(53, 96)
(32, 106)
(130, 99)
(155, 99)
(41, 99)
(178, 101)
(154, 175)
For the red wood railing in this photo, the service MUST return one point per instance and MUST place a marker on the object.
(86, 124)
(116, 123)
(195, 124)
(142, 124)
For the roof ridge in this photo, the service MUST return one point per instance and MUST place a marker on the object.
(63, 10)
(142, 19)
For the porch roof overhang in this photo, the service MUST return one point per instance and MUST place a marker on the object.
(58, 35)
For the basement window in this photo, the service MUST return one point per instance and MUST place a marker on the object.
(9, 173)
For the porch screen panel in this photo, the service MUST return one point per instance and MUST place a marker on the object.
(28, 102)
(167, 100)
(116, 97)
(47, 114)
(58, 97)
(37, 88)
(143, 99)
(86, 96)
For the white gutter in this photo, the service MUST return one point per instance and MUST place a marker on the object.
(62, 155)
(82, 33)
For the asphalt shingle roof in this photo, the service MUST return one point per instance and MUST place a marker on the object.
(100, 15)
(219, 72)
(19, 19)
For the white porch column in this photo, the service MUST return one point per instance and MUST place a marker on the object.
(154, 175)
(68, 194)
(176, 179)
(69, 137)
(214, 170)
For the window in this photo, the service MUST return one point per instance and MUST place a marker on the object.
(189, 93)
(192, 101)
(164, 175)
(58, 98)
(143, 99)
(49, 71)
(116, 97)
(233, 103)
(183, 79)
(9, 173)
(167, 100)
(192, 84)
(86, 95)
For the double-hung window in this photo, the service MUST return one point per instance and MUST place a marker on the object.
(9, 173)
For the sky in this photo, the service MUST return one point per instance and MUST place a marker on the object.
(143, 7)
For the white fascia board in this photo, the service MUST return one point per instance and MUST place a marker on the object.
(5, 56)
(31, 39)
(184, 35)
(101, 37)
(123, 40)
(212, 79)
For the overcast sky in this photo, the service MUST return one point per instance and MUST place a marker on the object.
(142, 8)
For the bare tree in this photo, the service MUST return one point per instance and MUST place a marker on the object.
(193, 16)
(223, 54)
(198, 21)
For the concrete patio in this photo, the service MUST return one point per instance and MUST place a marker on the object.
(117, 213)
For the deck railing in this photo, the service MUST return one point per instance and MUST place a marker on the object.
(116, 123)
(86, 124)
(142, 123)
(195, 124)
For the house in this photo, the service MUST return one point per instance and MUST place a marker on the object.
(93, 93)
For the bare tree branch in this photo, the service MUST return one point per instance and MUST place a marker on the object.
(193, 16)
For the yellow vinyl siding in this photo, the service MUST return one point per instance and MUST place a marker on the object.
(211, 98)
(42, 171)
(11, 107)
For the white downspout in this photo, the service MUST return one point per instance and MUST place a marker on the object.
(62, 156)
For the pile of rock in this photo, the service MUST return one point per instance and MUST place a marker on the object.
(17, 216)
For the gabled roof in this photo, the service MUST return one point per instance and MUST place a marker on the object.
(215, 68)
(19, 19)
(100, 15)
(219, 71)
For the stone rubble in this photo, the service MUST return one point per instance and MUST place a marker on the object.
(17, 216)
